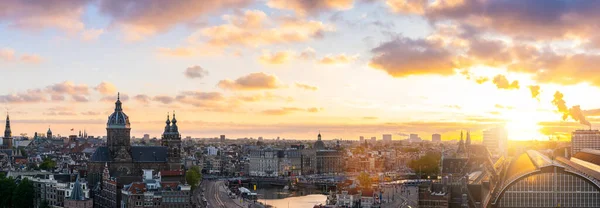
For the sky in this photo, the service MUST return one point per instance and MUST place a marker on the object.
(294, 68)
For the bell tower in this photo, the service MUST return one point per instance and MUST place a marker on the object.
(172, 140)
(118, 131)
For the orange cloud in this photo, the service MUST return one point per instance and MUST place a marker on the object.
(260, 97)
(408, 6)
(276, 58)
(306, 86)
(289, 110)
(106, 88)
(9, 54)
(250, 30)
(309, 6)
(254, 81)
(178, 52)
(503, 83)
(535, 91)
(338, 59)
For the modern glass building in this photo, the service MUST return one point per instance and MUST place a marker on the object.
(534, 180)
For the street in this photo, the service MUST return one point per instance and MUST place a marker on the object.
(216, 196)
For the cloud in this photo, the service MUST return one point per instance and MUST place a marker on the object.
(79, 98)
(9, 54)
(196, 71)
(408, 6)
(535, 91)
(370, 118)
(575, 111)
(481, 80)
(29, 96)
(253, 81)
(289, 110)
(68, 87)
(139, 20)
(207, 101)
(308, 54)
(254, 28)
(113, 98)
(37, 15)
(277, 58)
(304, 7)
(142, 98)
(91, 34)
(106, 88)
(90, 113)
(178, 52)
(338, 59)
(404, 57)
(502, 83)
(306, 86)
(163, 99)
(31, 58)
(266, 96)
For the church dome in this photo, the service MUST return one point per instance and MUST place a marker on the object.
(319, 145)
(118, 119)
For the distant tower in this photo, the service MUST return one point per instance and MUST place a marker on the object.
(118, 134)
(80, 135)
(468, 138)
(172, 140)
(319, 145)
(49, 133)
(461, 145)
(7, 139)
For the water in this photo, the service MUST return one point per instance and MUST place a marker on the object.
(280, 198)
(298, 201)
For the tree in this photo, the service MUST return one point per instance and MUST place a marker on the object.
(23, 194)
(7, 186)
(427, 165)
(45, 204)
(365, 180)
(47, 164)
(193, 178)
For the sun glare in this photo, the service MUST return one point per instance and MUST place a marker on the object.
(523, 125)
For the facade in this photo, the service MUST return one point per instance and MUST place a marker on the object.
(78, 198)
(589, 139)
(264, 162)
(105, 195)
(126, 162)
(495, 140)
(534, 180)
(436, 138)
(153, 192)
(291, 163)
(212, 151)
(329, 161)
(58, 189)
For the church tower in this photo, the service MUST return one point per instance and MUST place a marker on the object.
(7, 139)
(118, 132)
(49, 133)
(468, 143)
(172, 140)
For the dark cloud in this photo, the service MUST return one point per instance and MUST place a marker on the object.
(79, 98)
(30, 96)
(403, 57)
(69, 88)
(195, 72)
(253, 81)
(502, 83)
(163, 99)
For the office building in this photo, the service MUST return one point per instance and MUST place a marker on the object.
(222, 138)
(495, 140)
(436, 138)
(373, 139)
(588, 139)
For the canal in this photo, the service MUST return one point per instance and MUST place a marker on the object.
(281, 198)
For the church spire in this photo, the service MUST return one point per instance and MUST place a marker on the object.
(319, 136)
(468, 138)
(118, 107)
(7, 131)
(168, 126)
(174, 128)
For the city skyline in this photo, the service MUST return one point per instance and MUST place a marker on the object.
(249, 68)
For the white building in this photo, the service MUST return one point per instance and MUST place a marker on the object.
(264, 163)
(212, 151)
(588, 139)
(496, 140)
